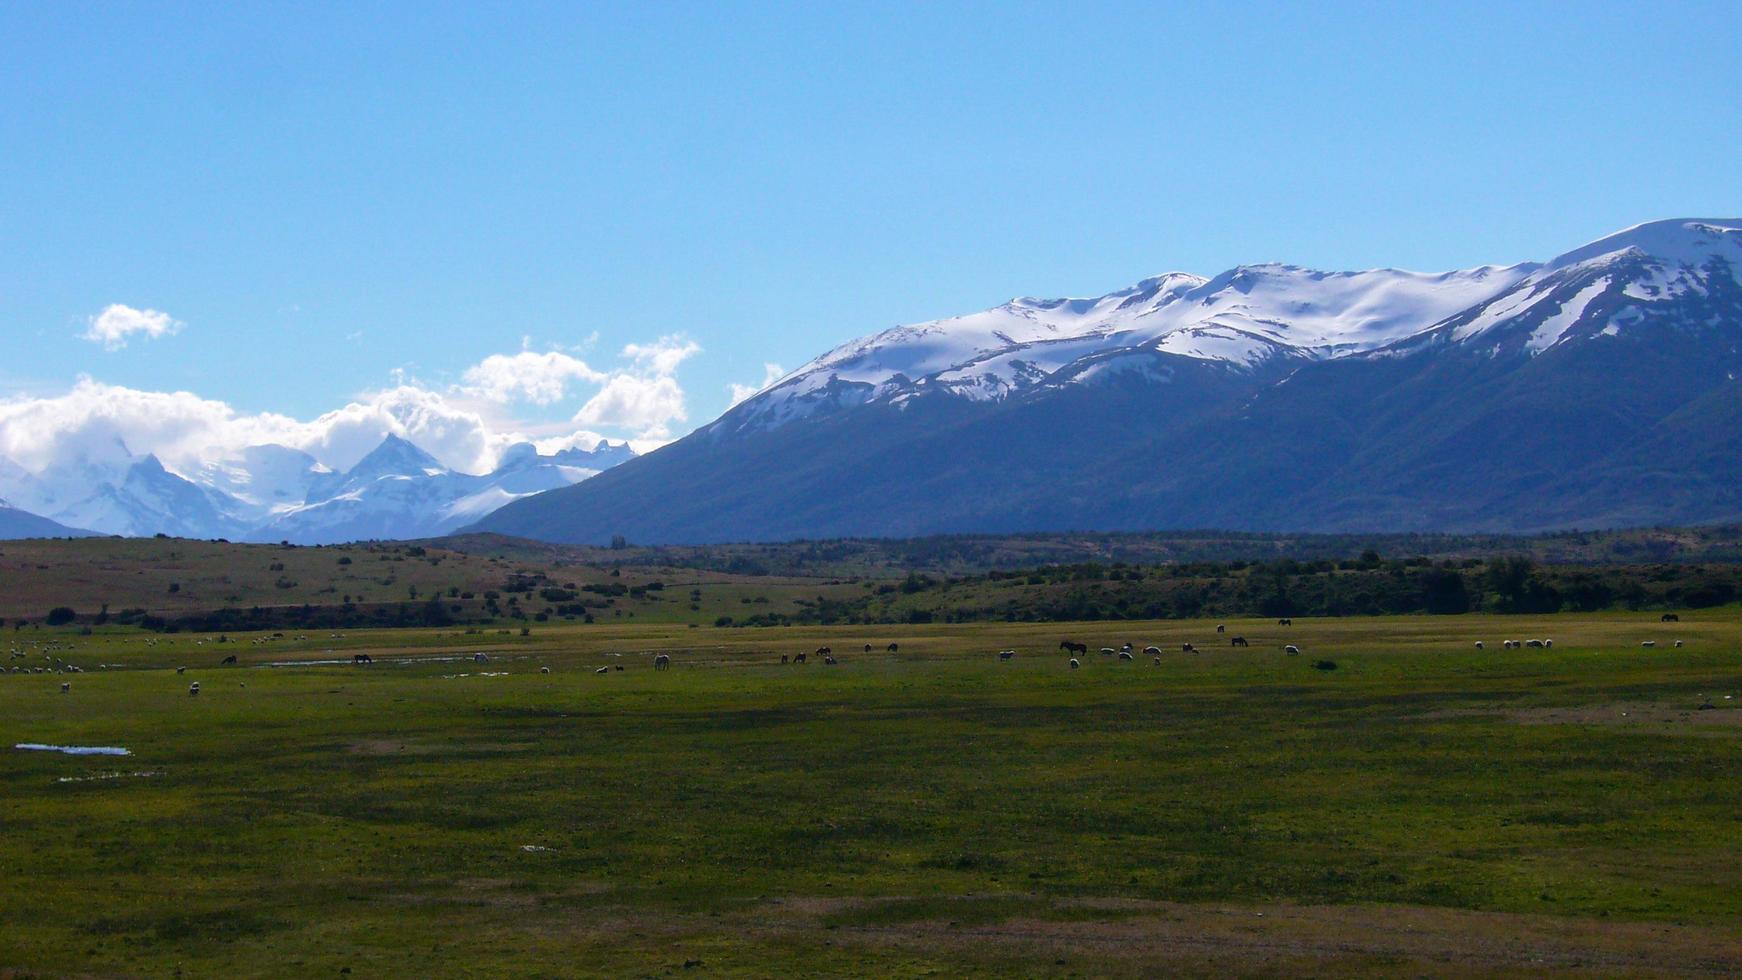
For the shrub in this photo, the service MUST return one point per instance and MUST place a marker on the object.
(59, 616)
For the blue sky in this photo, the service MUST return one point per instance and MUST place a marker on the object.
(329, 201)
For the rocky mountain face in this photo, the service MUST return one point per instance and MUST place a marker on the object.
(1597, 389)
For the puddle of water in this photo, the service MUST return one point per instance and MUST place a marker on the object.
(72, 749)
(105, 775)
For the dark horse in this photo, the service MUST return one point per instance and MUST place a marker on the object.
(1238, 641)
(362, 658)
(1074, 647)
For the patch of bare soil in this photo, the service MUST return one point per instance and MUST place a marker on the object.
(1288, 938)
(1684, 717)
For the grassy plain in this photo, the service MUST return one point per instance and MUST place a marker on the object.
(1424, 808)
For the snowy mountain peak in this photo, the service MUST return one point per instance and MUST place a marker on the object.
(1679, 242)
(396, 457)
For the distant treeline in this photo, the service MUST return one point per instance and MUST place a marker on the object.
(970, 554)
(1365, 586)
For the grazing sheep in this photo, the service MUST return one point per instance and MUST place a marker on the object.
(798, 659)
(661, 662)
(479, 658)
(1107, 651)
(1678, 644)
(867, 648)
(1649, 643)
(823, 651)
(64, 688)
(1548, 643)
(1479, 645)
(619, 666)
(1124, 656)
(181, 670)
(1238, 641)
(544, 670)
(194, 689)
(783, 658)
(1074, 664)
(1221, 628)
(602, 670)
(1152, 651)
(893, 647)
(1006, 654)
(1187, 648)
(227, 660)
(1291, 650)
(1158, 661)
(1533, 643)
(829, 661)
(1670, 618)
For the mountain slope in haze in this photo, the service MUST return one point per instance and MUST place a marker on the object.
(1596, 389)
(16, 524)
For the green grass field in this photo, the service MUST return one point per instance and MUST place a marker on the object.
(1423, 809)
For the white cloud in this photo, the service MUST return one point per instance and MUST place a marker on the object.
(117, 322)
(663, 355)
(645, 406)
(184, 430)
(771, 373)
(542, 379)
(466, 426)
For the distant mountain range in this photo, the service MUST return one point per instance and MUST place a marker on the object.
(1598, 389)
(273, 493)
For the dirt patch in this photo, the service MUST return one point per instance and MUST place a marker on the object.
(1271, 938)
(1683, 716)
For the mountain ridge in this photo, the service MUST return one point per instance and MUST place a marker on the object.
(1499, 398)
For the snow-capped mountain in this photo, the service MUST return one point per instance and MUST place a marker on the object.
(400, 491)
(272, 493)
(1588, 390)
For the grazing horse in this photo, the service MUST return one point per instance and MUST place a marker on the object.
(362, 658)
(798, 658)
(1671, 618)
(662, 662)
(1006, 654)
(228, 660)
(1072, 647)
(1238, 641)
(1285, 622)
(823, 651)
